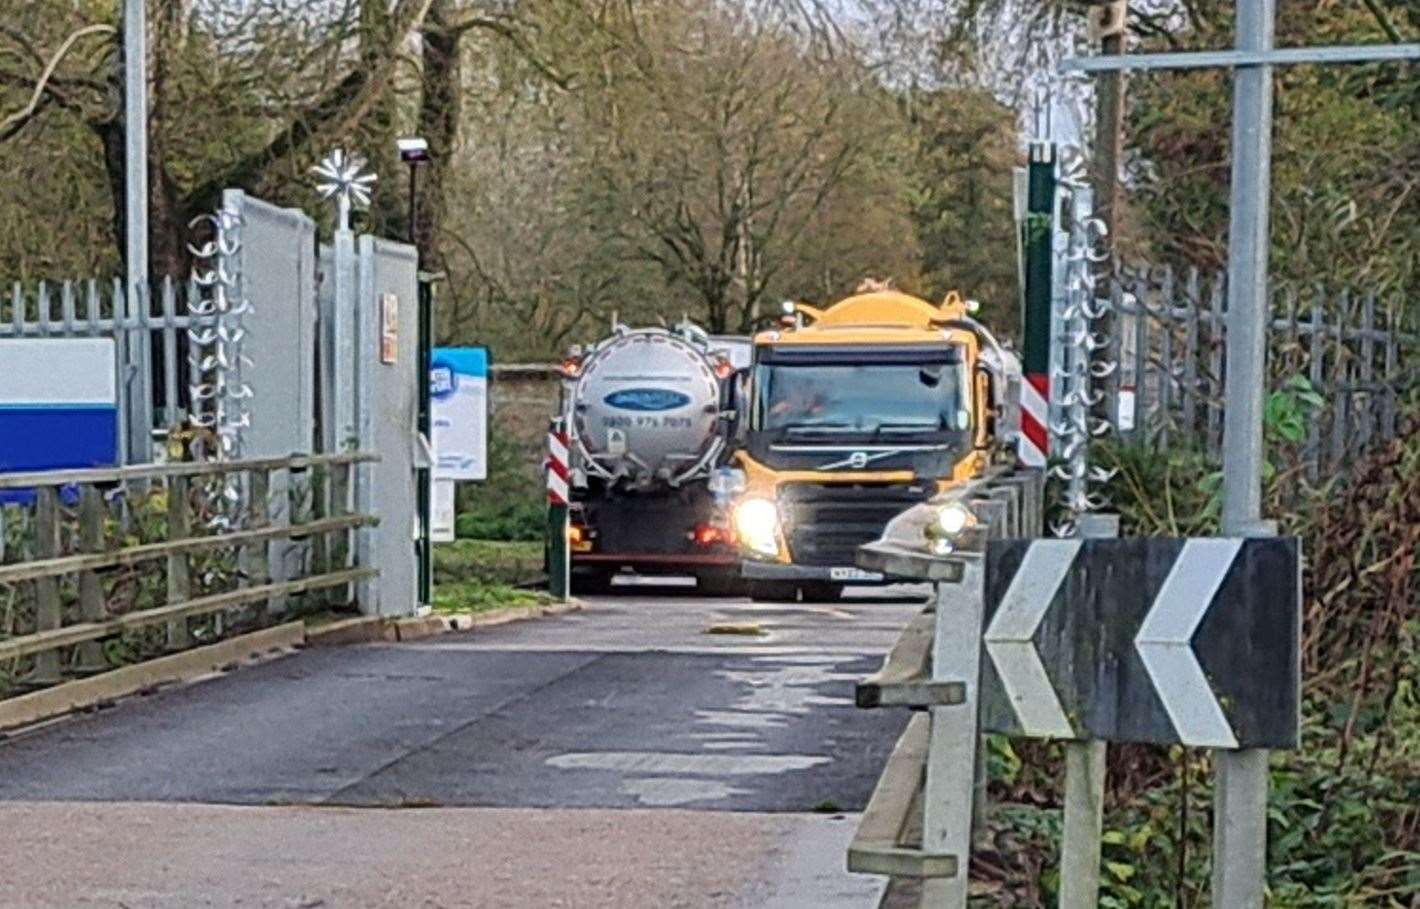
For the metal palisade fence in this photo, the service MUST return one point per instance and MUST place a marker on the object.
(155, 373)
(1357, 348)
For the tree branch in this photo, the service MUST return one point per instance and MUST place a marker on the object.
(1391, 31)
(332, 114)
(502, 29)
(16, 121)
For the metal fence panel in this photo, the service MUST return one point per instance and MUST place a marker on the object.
(1354, 347)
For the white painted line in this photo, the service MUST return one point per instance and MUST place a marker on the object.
(578, 647)
(668, 762)
(665, 792)
(1009, 639)
(1165, 642)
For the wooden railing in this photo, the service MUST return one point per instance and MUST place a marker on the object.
(79, 577)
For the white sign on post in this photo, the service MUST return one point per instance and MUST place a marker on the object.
(441, 525)
(458, 393)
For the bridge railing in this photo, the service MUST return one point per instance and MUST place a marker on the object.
(105, 568)
(935, 775)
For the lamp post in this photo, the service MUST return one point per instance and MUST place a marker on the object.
(414, 152)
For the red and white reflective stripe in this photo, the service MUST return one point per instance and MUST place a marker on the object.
(557, 468)
(1034, 443)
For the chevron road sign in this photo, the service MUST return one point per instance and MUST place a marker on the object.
(1191, 641)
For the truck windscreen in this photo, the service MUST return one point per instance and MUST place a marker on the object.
(855, 399)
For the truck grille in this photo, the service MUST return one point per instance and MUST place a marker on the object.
(827, 522)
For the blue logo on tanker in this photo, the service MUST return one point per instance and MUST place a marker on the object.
(645, 399)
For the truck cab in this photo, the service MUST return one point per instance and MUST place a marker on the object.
(855, 413)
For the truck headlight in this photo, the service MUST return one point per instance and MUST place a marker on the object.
(953, 518)
(757, 524)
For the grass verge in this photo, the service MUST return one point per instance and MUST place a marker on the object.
(483, 575)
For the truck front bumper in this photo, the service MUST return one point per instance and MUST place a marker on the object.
(780, 571)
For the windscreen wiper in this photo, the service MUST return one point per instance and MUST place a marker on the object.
(821, 429)
(888, 428)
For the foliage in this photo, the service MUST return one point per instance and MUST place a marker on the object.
(510, 521)
(1344, 191)
(482, 596)
(963, 155)
(509, 504)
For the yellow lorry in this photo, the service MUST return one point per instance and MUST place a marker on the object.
(854, 414)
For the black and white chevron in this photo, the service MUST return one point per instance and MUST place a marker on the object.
(1192, 641)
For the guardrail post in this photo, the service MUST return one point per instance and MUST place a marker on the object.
(48, 613)
(1085, 764)
(950, 795)
(257, 558)
(179, 580)
(91, 593)
(342, 546)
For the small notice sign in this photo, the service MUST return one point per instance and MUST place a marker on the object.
(389, 328)
(458, 394)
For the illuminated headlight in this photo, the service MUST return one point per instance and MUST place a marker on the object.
(952, 519)
(757, 525)
(942, 533)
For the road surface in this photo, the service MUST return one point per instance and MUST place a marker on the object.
(619, 756)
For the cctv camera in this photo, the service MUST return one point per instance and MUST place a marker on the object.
(413, 150)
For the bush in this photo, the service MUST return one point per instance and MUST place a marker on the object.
(510, 505)
(514, 521)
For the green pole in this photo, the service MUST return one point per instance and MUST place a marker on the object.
(425, 476)
(1040, 214)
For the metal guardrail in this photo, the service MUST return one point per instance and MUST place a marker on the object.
(890, 838)
(76, 516)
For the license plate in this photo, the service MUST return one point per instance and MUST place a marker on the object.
(853, 574)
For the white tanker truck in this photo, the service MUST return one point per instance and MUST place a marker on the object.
(650, 414)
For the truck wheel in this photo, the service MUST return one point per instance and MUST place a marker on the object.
(773, 591)
(822, 592)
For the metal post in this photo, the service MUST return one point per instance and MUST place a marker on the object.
(135, 128)
(1109, 19)
(1240, 796)
(425, 475)
(1085, 764)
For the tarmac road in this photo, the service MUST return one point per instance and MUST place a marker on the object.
(619, 756)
